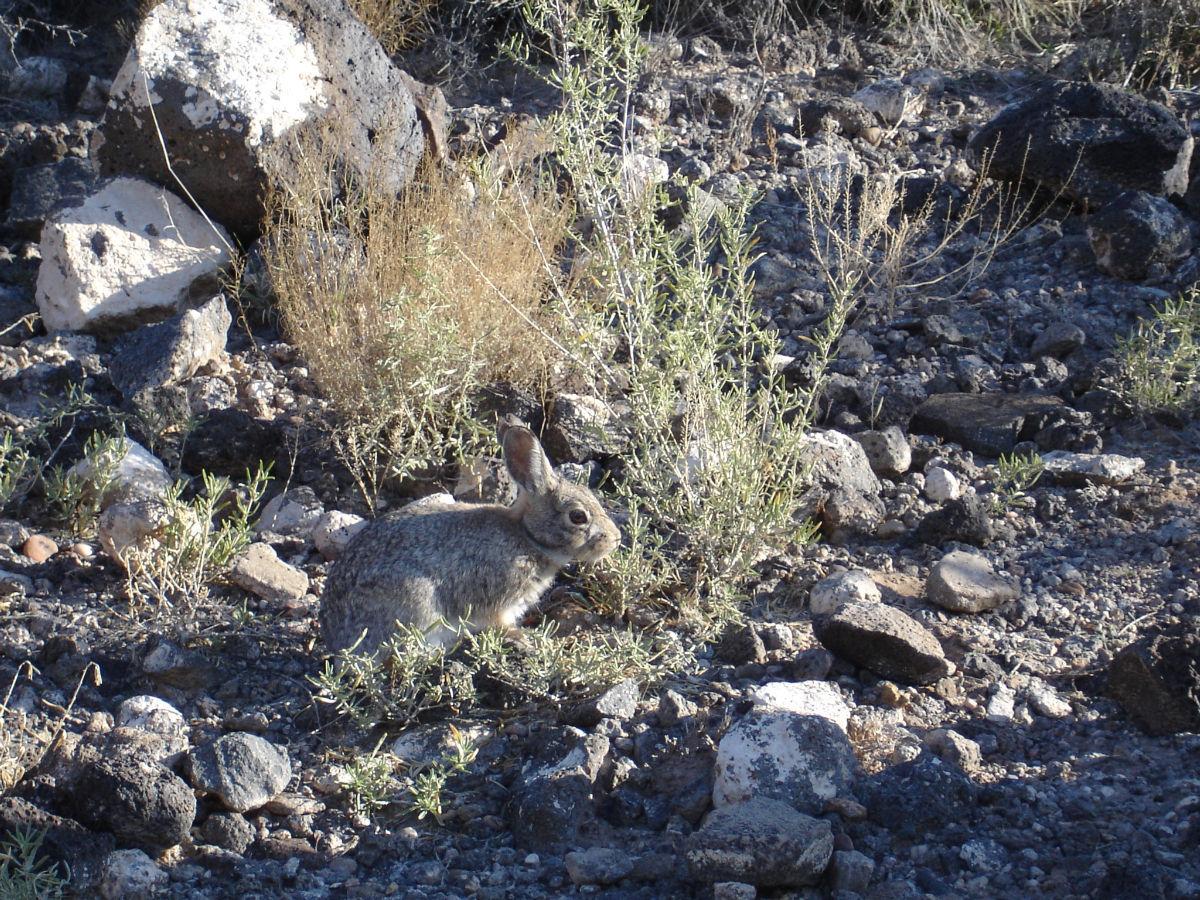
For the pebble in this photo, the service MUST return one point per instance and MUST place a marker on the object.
(39, 548)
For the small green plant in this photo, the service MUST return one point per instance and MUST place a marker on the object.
(18, 469)
(1160, 360)
(1016, 474)
(25, 876)
(426, 787)
(409, 677)
(554, 669)
(197, 540)
(370, 781)
(77, 494)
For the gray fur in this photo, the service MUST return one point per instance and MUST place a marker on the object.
(464, 565)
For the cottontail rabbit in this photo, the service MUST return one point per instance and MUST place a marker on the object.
(464, 566)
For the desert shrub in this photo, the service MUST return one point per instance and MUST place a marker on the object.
(403, 307)
(714, 471)
(1160, 360)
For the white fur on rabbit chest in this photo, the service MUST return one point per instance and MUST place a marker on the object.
(473, 565)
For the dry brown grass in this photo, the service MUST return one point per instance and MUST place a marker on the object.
(398, 24)
(402, 307)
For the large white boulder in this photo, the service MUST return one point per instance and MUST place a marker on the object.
(227, 88)
(131, 252)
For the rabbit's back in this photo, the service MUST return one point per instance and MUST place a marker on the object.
(462, 564)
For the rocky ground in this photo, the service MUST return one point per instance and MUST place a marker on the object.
(925, 704)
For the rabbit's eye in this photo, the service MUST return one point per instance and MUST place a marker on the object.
(578, 517)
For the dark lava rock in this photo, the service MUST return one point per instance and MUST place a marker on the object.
(885, 640)
(988, 424)
(229, 441)
(1135, 232)
(762, 842)
(1156, 679)
(63, 840)
(1091, 141)
(41, 191)
(912, 797)
(963, 520)
(553, 801)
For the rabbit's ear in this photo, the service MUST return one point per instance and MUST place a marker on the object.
(527, 462)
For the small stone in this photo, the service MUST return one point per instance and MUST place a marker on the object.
(762, 842)
(852, 871)
(734, 890)
(888, 451)
(261, 572)
(334, 530)
(966, 582)
(1058, 339)
(955, 748)
(854, 586)
(39, 548)
(130, 875)
(941, 485)
(598, 865)
(1046, 701)
(885, 640)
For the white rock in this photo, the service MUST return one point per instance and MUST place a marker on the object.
(892, 100)
(1046, 701)
(128, 528)
(1001, 706)
(1101, 468)
(131, 252)
(130, 875)
(138, 475)
(334, 530)
(941, 485)
(155, 715)
(294, 513)
(854, 586)
(805, 698)
(801, 760)
(260, 571)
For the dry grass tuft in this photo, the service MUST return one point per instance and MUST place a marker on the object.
(403, 307)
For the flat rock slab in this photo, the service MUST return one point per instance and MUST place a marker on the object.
(762, 842)
(1097, 468)
(885, 640)
(988, 424)
(260, 571)
(966, 582)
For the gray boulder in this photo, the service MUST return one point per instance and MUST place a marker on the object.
(1091, 141)
(844, 494)
(230, 86)
(1134, 233)
(802, 760)
(762, 842)
(167, 353)
(244, 771)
